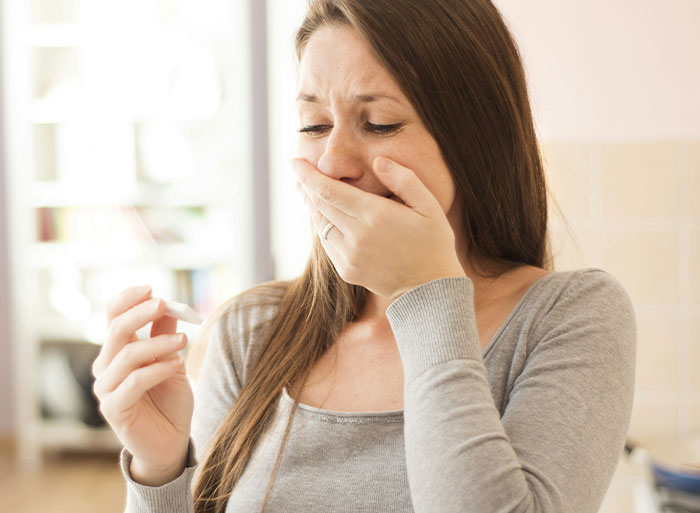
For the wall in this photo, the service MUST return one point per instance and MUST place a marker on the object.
(615, 96)
(600, 70)
(632, 212)
(614, 89)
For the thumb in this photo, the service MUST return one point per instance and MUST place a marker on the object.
(163, 325)
(404, 183)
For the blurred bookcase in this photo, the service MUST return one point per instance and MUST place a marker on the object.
(129, 162)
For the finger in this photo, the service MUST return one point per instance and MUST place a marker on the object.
(319, 223)
(334, 237)
(123, 327)
(349, 199)
(126, 299)
(165, 325)
(136, 355)
(404, 183)
(322, 213)
(336, 257)
(140, 381)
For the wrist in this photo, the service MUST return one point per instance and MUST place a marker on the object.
(157, 475)
(446, 274)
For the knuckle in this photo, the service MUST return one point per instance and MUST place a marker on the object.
(109, 309)
(358, 240)
(114, 328)
(373, 217)
(94, 368)
(96, 388)
(126, 354)
(132, 381)
(102, 408)
(326, 193)
(105, 407)
(311, 199)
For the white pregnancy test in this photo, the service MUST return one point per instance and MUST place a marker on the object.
(182, 311)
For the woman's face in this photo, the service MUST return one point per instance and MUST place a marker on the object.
(351, 110)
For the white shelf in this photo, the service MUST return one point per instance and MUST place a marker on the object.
(57, 35)
(75, 435)
(66, 194)
(56, 327)
(87, 255)
(83, 82)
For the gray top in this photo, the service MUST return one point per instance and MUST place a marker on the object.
(534, 423)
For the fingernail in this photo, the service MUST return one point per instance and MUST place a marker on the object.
(144, 290)
(384, 165)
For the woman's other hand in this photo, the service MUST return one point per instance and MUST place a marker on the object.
(142, 386)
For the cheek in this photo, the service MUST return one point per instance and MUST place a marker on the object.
(309, 149)
(429, 167)
(439, 182)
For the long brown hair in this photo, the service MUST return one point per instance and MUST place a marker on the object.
(457, 63)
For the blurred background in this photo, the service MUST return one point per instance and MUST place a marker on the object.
(147, 142)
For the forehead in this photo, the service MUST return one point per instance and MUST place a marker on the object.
(337, 62)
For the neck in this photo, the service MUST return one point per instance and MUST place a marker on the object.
(484, 294)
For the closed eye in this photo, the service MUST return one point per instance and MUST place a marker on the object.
(370, 127)
(382, 129)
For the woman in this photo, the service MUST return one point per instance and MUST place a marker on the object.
(427, 359)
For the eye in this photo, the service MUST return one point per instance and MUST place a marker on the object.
(314, 129)
(318, 130)
(383, 129)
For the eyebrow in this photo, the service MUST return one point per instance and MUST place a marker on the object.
(364, 98)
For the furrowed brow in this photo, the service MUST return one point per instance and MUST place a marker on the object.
(364, 98)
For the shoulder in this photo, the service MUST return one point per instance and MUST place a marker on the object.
(251, 309)
(234, 332)
(584, 304)
(590, 288)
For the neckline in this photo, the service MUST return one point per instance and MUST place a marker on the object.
(512, 313)
(358, 416)
(343, 416)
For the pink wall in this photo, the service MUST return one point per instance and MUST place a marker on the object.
(601, 70)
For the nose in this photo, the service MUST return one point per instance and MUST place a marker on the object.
(342, 158)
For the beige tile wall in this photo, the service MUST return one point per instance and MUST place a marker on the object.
(634, 210)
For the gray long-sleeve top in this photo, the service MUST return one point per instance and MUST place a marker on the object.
(534, 423)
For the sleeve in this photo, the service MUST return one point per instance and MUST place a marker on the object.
(215, 392)
(557, 444)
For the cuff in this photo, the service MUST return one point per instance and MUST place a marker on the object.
(434, 323)
(175, 496)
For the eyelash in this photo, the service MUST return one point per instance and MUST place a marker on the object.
(370, 127)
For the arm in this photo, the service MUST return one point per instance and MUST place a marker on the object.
(557, 444)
